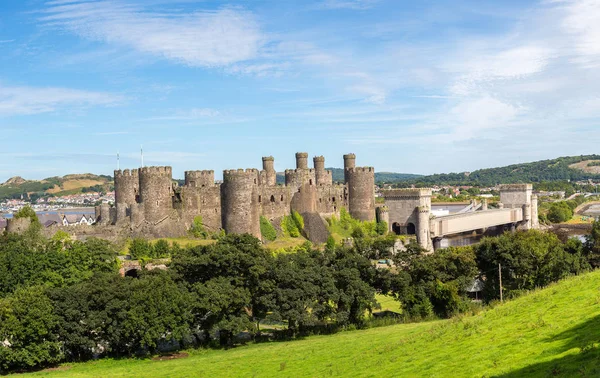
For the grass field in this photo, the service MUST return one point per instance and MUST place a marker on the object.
(551, 332)
(75, 184)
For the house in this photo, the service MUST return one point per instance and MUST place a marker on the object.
(49, 219)
(77, 219)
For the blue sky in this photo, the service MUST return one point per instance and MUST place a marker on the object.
(409, 86)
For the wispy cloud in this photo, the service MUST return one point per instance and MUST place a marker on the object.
(32, 100)
(348, 4)
(210, 38)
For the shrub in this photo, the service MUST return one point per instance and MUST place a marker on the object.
(141, 248)
(197, 229)
(162, 249)
(559, 212)
(267, 230)
(289, 227)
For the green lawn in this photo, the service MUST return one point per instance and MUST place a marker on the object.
(552, 332)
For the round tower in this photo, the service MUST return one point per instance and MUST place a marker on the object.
(105, 214)
(239, 202)
(423, 227)
(349, 162)
(322, 177)
(361, 192)
(269, 168)
(126, 189)
(301, 160)
(156, 192)
(527, 216)
(383, 215)
(199, 179)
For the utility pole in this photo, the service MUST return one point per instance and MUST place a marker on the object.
(500, 277)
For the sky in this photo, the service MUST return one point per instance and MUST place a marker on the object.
(424, 87)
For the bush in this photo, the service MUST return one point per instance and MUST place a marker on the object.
(267, 230)
(141, 248)
(560, 212)
(161, 249)
(293, 224)
(197, 229)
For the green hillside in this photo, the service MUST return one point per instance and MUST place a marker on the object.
(551, 332)
(18, 187)
(559, 169)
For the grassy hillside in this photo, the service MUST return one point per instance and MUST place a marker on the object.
(559, 169)
(70, 184)
(552, 332)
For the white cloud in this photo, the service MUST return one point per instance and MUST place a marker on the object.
(474, 116)
(582, 21)
(31, 100)
(202, 38)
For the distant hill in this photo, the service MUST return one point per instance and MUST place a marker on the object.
(17, 187)
(380, 177)
(573, 168)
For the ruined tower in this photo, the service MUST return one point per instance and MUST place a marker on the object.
(239, 202)
(535, 223)
(268, 175)
(361, 192)
(383, 215)
(423, 237)
(156, 193)
(126, 190)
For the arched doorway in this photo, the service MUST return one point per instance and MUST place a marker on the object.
(396, 228)
(411, 229)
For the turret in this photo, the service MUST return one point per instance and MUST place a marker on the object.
(239, 202)
(156, 192)
(361, 192)
(126, 190)
(349, 162)
(199, 179)
(301, 160)
(383, 215)
(322, 177)
(270, 176)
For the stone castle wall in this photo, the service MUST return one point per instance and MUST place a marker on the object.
(149, 202)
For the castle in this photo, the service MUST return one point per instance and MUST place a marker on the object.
(149, 202)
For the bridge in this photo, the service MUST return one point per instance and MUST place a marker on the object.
(408, 211)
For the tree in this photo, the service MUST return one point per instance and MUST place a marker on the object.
(267, 230)
(27, 326)
(559, 212)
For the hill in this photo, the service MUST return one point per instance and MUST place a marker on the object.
(551, 332)
(16, 187)
(573, 168)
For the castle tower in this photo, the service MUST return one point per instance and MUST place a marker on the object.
(361, 192)
(349, 162)
(270, 176)
(322, 177)
(423, 237)
(383, 215)
(156, 192)
(105, 214)
(301, 160)
(199, 179)
(239, 202)
(126, 190)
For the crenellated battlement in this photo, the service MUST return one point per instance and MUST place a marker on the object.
(302, 155)
(299, 170)
(361, 169)
(319, 159)
(157, 170)
(350, 156)
(268, 158)
(406, 193)
(126, 173)
(240, 171)
(202, 173)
